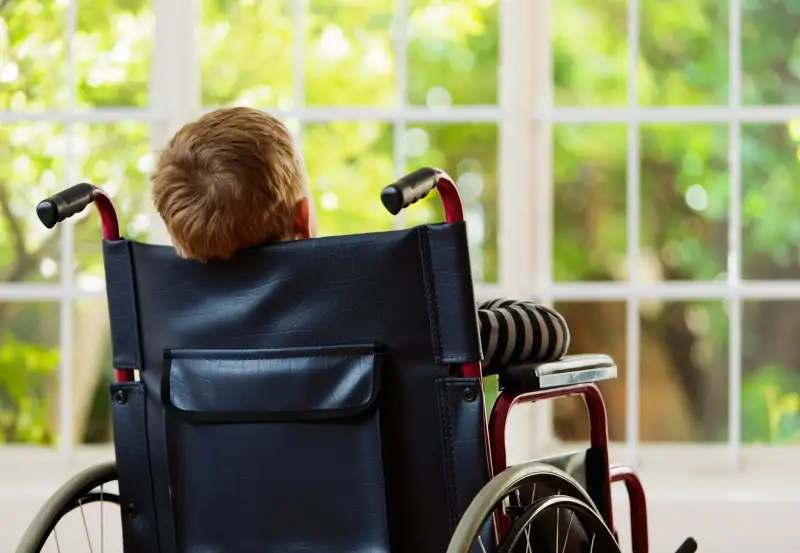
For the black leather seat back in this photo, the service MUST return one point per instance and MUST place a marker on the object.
(297, 394)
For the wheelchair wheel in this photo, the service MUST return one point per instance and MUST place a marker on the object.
(82, 515)
(549, 513)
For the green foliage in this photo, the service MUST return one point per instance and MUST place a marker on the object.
(247, 57)
(23, 400)
(770, 413)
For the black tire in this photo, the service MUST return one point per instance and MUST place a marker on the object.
(77, 491)
(506, 485)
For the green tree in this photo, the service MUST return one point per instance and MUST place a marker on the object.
(247, 51)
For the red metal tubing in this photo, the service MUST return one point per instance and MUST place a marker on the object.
(497, 430)
(110, 226)
(451, 199)
(598, 424)
(108, 215)
(638, 505)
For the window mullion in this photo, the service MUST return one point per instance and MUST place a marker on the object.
(735, 238)
(401, 94)
(633, 322)
(299, 22)
(67, 251)
(525, 185)
(175, 78)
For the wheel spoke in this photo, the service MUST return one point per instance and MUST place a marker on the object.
(102, 540)
(525, 518)
(85, 527)
(55, 535)
(564, 547)
(527, 528)
(558, 518)
(528, 548)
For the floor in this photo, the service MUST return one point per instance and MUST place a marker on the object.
(723, 512)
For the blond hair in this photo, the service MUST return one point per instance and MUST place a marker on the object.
(228, 181)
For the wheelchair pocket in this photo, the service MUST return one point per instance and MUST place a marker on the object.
(275, 450)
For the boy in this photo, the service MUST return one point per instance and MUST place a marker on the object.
(234, 179)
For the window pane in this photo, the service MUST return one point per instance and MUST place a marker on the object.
(590, 228)
(770, 372)
(685, 53)
(684, 202)
(246, 53)
(92, 372)
(684, 372)
(590, 52)
(453, 52)
(468, 152)
(595, 327)
(770, 73)
(348, 165)
(113, 49)
(116, 157)
(31, 169)
(29, 359)
(771, 201)
(33, 55)
(349, 53)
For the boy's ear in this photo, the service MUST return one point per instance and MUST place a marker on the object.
(302, 220)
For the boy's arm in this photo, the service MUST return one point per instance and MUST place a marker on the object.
(519, 331)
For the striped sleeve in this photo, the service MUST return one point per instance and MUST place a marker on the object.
(520, 331)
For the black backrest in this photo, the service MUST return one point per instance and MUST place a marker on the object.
(265, 377)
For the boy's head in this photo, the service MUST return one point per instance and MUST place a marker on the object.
(231, 180)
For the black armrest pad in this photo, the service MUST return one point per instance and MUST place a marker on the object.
(571, 369)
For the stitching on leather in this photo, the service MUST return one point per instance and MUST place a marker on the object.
(139, 419)
(137, 352)
(456, 511)
(141, 394)
(125, 268)
(181, 357)
(445, 419)
(463, 266)
(430, 293)
(461, 263)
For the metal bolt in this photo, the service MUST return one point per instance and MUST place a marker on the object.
(469, 394)
(130, 510)
(121, 397)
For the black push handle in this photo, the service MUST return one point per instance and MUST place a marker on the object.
(688, 546)
(65, 204)
(409, 189)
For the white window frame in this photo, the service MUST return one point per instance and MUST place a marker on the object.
(633, 291)
(525, 115)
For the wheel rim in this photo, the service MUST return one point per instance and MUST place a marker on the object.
(585, 530)
(83, 515)
(90, 523)
(513, 493)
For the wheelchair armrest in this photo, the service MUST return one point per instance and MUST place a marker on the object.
(571, 369)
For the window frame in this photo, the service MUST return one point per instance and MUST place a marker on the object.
(525, 242)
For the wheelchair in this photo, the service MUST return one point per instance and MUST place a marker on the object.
(326, 395)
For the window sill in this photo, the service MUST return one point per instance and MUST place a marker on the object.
(665, 468)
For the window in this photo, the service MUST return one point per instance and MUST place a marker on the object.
(371, 90)
(643, 183)
(675, 150)
(74, 106)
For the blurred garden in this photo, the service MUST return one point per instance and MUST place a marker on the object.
(246, 55)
